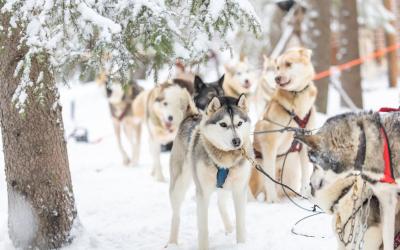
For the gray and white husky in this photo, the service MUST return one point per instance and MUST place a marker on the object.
(207, 149)
(355, 144)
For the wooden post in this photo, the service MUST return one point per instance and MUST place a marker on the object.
(391, 39)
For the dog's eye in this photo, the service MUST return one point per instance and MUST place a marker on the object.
(223, 124)
(240, 123)
(277, 67)
(288, 64)
(238, 73)
(165, 103)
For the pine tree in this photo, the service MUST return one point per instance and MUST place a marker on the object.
(37, 40)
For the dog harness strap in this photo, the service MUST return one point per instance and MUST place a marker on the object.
(386, 109)
(302, 122)
(222, 174)
(388, 172)
(124, 113)
(387, 156)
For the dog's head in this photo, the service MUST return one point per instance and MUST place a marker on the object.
(241, 77)
(226, 123)
(171, 104)
(118, 92)
(294, 69)
(204, 92)
(336, 149)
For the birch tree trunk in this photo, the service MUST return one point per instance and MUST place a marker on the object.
(318, 38)
(349, 50)
(41, 209)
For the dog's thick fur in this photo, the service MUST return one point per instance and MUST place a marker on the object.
(239, 79)
(165, 107)
(266, 85)
(334, 150)
(204, 92)
(203, 143)
(295, 93)
(124, 115)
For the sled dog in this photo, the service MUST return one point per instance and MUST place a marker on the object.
(204, 92)
(208, 149)
(239, 79)
(266, 85)
(362, 144)
(165, 107)
(291, 105)
(120, 99)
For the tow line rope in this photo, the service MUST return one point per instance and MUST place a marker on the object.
(315, 209)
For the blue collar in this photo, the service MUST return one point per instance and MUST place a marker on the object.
(222, 174)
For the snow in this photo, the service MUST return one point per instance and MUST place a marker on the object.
(124, 208)
(22, 219)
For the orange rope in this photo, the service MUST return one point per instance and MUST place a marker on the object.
(358, 61)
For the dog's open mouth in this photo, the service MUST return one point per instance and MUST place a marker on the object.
(283, 84)
(169, 126)
(247, 85)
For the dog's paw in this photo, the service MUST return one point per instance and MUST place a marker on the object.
(125, 161)
(160, 178)
(241, 245)
(171, 246)
(134, 163)
(272, 198)
(228, 229)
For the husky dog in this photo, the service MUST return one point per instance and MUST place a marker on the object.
(365, 144)
(204, 92)
(292, 105)
(209, 148)
(239, 79)
(266, 85)
(165, 107)
(120, 98)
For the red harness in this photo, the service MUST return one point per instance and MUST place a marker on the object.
(388, 171)
(302, 123)
(295, 146)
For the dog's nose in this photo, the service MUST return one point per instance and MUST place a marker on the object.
(278, 79)
(170, 118)
(236, 142)
(246, 81)
(109, 92)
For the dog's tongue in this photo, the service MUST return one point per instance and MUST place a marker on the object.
(168, 125)
(247, 85)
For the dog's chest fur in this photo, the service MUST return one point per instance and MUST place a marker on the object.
(205, 158)
(298, 102)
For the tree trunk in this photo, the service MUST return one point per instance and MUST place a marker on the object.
(318, 38)
(391, 40)
(349, 50)
(41, 209)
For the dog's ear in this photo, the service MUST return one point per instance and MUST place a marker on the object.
(213, 105)
(313, 141)
(306, 52)
(243, 58)
(242, 103)
(221, 80)
(229, 69)
(198, 83)
(191, 108)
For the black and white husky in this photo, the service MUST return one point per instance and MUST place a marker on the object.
(207, 150)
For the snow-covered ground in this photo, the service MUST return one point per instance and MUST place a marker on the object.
(124, 208)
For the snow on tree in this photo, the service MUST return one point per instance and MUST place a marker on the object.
(126, 32)
(37, 39)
